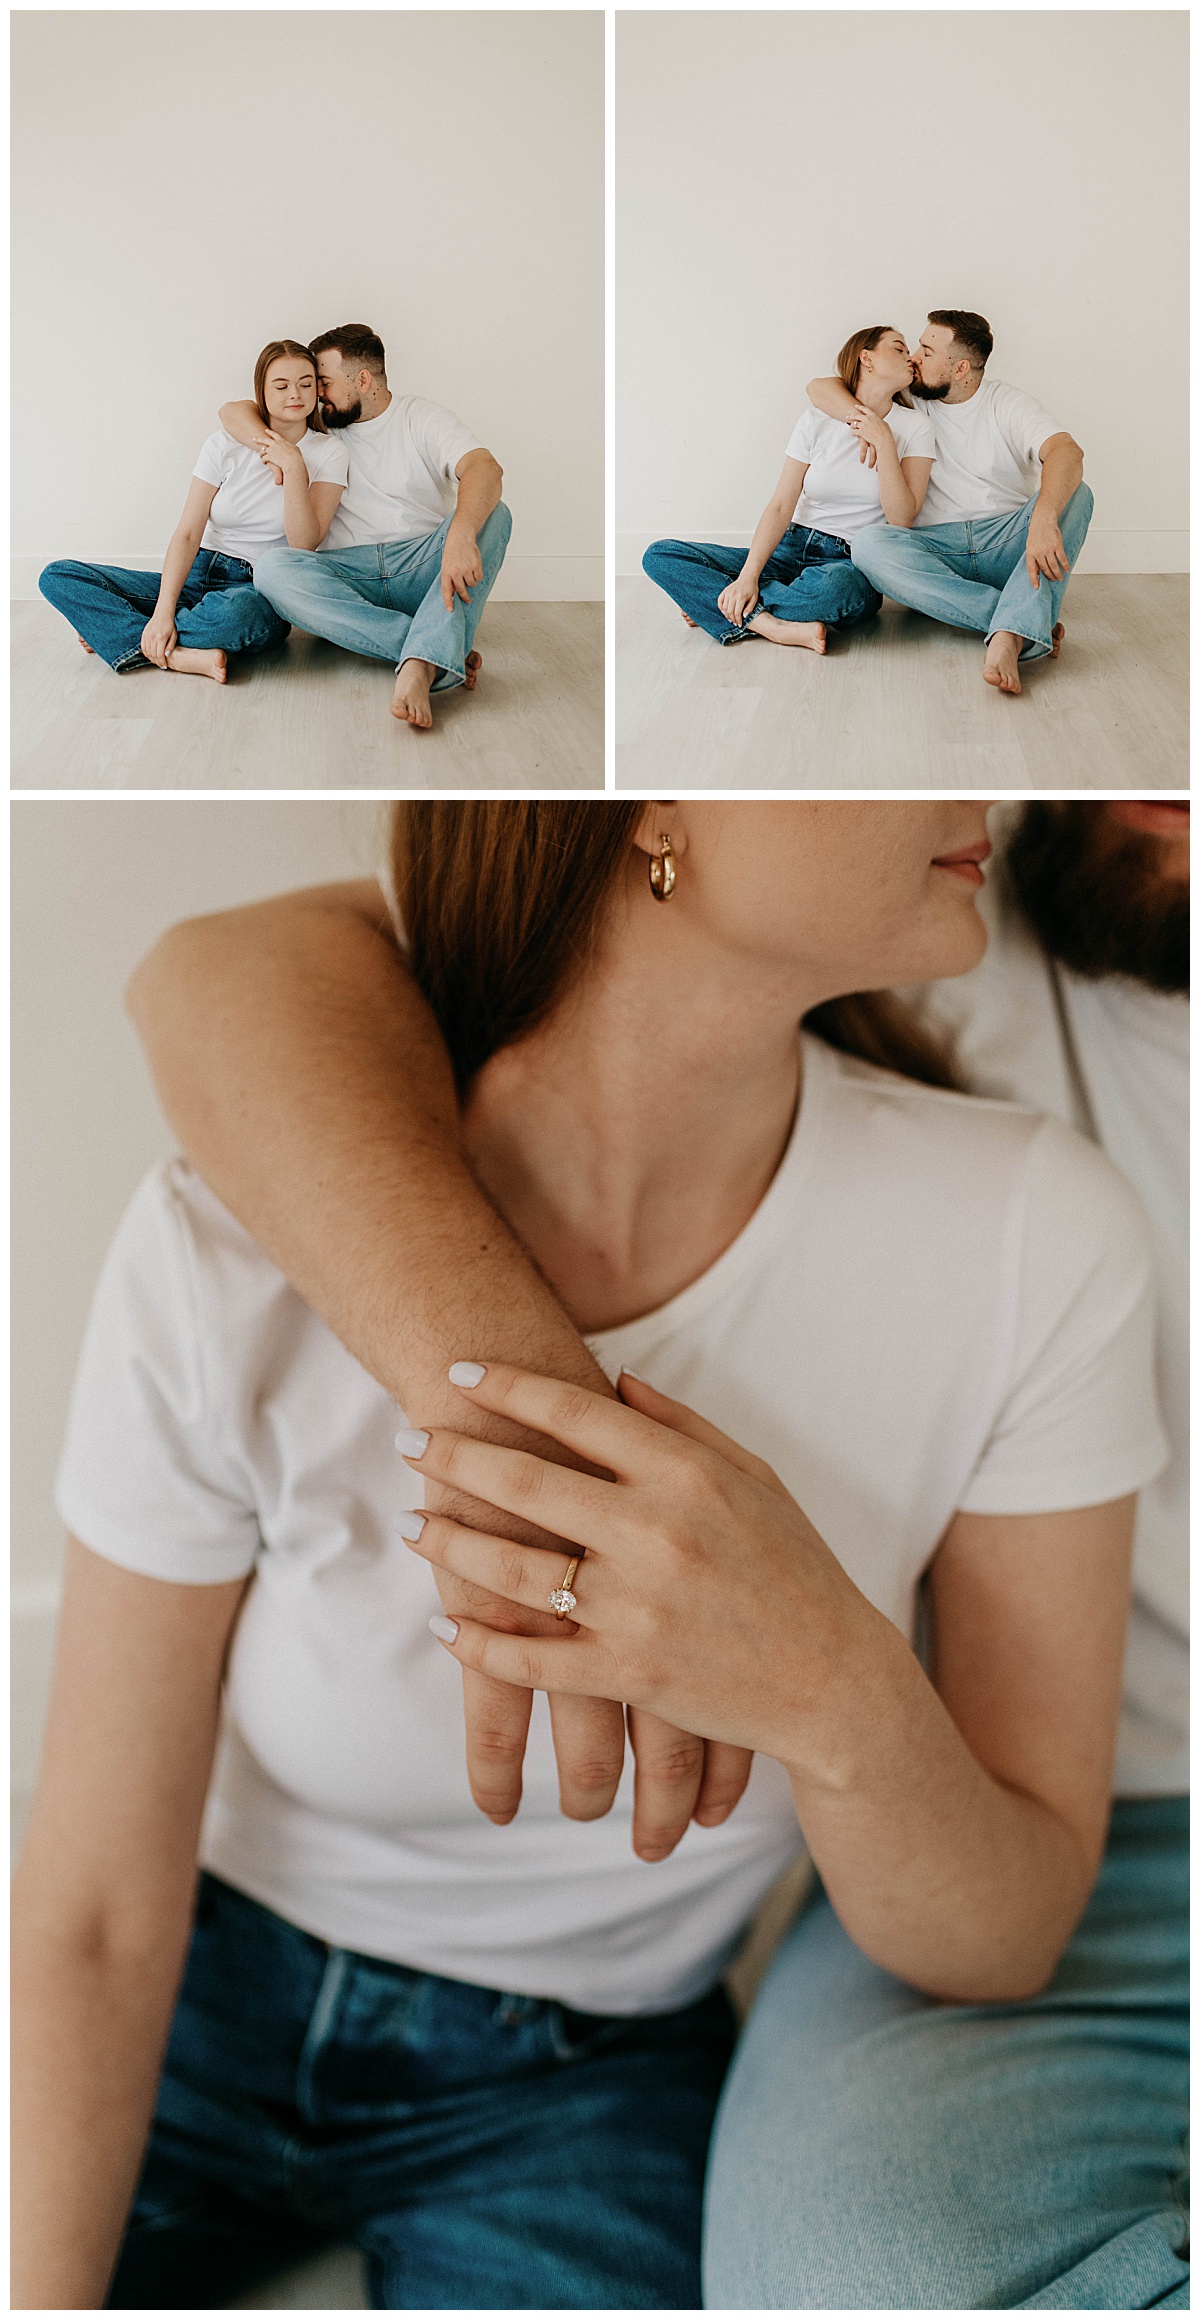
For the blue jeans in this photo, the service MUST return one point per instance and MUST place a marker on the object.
(386, 600)
(482, 2150)
(218, 606)
(875, 2151)
(809, 577)
(973, 575)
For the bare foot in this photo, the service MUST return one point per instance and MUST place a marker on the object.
(410, 698)
(682, 614)
(186, 661)
(86, 646)
(809, 633)
(1000, 661)
(474, 664)
(1056, 637)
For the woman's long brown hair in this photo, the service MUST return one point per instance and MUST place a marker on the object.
(849, 361)
(501, 903)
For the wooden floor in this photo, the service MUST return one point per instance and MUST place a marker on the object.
(311, 717)
(901, 703)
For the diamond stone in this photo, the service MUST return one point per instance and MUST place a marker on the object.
(562, 1600)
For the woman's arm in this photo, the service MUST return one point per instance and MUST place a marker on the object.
(307, 507)
(739, 599)
(159, 637)
(957, 1823)
(306, 1079)
(102, 1908)
(898, 497)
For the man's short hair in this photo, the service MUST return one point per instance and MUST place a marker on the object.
(971, 334)
(358, 345)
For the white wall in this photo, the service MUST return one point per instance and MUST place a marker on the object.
(785, 179)
(93, 884)
(188, 186)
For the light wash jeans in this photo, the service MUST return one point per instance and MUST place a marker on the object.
(973, 575)
(386, 600)
(875, 2151)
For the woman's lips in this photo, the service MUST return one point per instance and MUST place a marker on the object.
(1151, 816)
(967, 865)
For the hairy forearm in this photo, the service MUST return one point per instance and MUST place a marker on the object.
(1062, 474)
(831, 397)
(241, 420)
(479, 489)
(943, 1876)
(88, 2033)
(305, 1078)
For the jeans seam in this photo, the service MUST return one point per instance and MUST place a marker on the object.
(320, 2021)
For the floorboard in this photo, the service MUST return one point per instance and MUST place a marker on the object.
(311, 717)
(901, 703)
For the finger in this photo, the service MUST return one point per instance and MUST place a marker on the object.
(515, 1574)
(594, 1425)
(447, 593)
(556, 1498)
(669, 1766)
(726, 1772)
(573, 1665)
(638, 1395)
(496, 1716)
(589, 1745)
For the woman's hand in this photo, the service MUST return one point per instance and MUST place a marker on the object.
(704, 1594)
(872, 431)
(159, 638)
(737, 602)
(278, 454)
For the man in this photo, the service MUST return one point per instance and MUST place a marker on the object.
(1006, 512)
(406, 567)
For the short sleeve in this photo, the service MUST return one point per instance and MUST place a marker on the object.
(145, 1478)
(1077, 1421)
(441, 438)
(213, 462)
(800, 441)
(327, 458)
(1024, 423)
(913, 432)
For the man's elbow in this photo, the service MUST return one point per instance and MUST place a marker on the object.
(160, 973)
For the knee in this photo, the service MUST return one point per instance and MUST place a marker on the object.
(263, 626)
(857, 598)
(51, 580)
(658, 553)
(498, 528)
(1082, 504)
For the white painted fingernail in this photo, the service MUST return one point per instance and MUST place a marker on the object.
(466, 1373)
(412, 1442)
(446, 1630)
(410, 1526)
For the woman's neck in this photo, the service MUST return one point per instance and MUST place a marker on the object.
(878, 399)
(292, 430)
(630, 1138)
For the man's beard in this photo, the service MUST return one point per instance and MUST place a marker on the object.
(1096, 898)
(334, 418)
(929, 394)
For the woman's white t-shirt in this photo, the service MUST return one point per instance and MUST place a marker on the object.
(941, 1302)
(246, 517)
(841, 493)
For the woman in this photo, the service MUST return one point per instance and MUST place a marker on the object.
(204, 605)
(798, 571)
(492, 2054)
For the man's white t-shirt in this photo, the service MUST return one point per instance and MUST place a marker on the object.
(986, 458)
(939, 1303)
(401, 484)
(1111, 1058)
(246, 517)
(841, 493)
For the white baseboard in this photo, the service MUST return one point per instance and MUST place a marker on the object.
(521, 580)
(1103, 550)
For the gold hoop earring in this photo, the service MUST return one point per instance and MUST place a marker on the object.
(662, 871)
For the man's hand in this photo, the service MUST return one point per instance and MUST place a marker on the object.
(462, 565)
(737, 601)
(1044, 551)
(159, 638)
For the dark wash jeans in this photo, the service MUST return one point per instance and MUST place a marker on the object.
(809, 577)
(218, 606)
(482, 2149)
